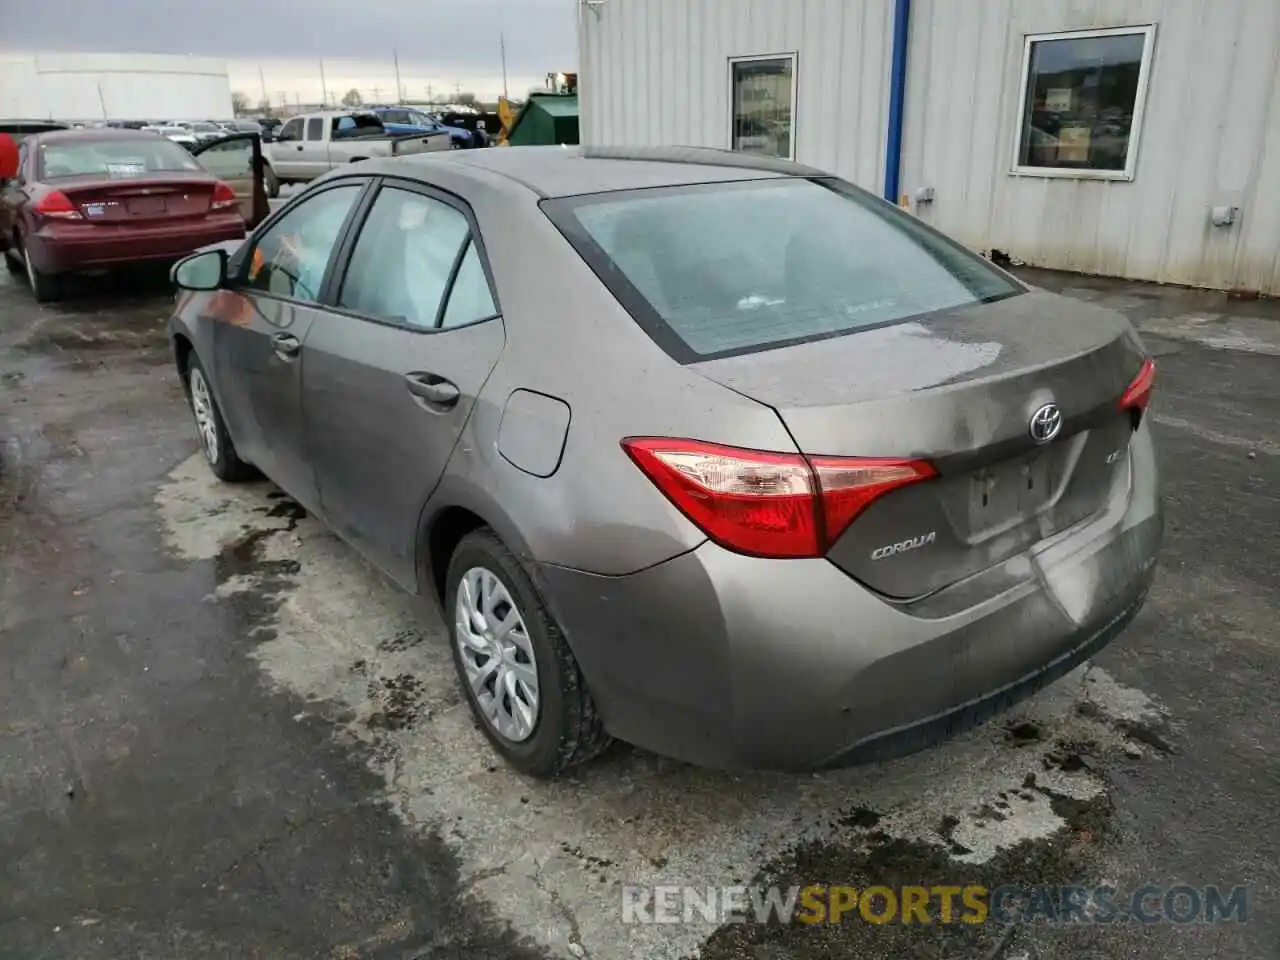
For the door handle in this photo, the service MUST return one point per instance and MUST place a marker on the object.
(286, 345)
(299, 147)
(435, 390)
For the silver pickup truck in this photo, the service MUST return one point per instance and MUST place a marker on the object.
(308, 146)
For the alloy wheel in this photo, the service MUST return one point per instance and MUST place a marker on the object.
(497, 654)
(202, 408)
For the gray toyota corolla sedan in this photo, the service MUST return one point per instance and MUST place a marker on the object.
(718, 455)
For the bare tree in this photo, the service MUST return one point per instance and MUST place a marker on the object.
(352, 98)
(239, 103)
(264, 108)
(466, 99)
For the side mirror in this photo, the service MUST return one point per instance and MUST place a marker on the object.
(206, 270)
(8, 157)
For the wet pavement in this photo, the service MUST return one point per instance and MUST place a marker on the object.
(222, 734)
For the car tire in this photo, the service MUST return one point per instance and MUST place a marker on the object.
(566, 728)
(216, 444)
(45, 287)
(12, 261)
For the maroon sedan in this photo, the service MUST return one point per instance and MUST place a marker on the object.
(83, 200)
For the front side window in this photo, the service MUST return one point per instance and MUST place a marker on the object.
(291, 257)
(763, 98)
(229, 160)
(721, 269)
(291, 130)
(404, 258)
(1082, 102)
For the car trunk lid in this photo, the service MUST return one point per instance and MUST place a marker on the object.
(138, 199)
(959, 389)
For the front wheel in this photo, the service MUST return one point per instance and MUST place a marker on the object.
(516, 669)
(219, 451)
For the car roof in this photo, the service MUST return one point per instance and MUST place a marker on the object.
(570, 171)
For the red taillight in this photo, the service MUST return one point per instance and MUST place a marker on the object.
(223, 197)
(1138, 393)
(768, 504)
(56, 205)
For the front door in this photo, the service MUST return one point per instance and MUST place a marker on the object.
(237, 161)
(393, 369)
(259, 349)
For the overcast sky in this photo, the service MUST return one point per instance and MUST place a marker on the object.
(444, 44)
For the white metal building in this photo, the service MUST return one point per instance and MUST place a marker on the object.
(1093, 135)
(119, 86)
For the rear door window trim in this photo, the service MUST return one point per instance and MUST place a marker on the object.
(345, 249)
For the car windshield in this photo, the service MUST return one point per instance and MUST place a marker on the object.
(205, 127)
(720, 269)
(113, 158)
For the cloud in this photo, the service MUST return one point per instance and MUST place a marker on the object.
(439, 42)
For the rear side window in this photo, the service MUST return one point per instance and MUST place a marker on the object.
(720, 269)
(406, 254)
(315, 128)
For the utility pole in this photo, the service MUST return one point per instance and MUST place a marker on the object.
(284, 98)
(324, 87)
(297, 100)
(430, 99)
(395, 59)
(262, 81)
(502, 47)
(376, 91)
(457, 92)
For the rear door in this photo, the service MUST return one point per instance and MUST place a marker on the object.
(393, 368)
(314, 158)
(263, 321)
(237, 161)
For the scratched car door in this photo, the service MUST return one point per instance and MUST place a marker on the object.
(259, 349)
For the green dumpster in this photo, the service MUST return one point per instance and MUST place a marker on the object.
(547, 119)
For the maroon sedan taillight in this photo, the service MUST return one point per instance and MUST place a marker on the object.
(56, 205)
(224, 198)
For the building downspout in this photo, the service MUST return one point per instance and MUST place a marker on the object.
(897, 100)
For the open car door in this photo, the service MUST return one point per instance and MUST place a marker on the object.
(237, 161)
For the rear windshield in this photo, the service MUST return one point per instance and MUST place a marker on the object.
(719, 269)
(113, 158)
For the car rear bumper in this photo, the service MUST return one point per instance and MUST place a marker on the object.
(64, 247)
(733, 661)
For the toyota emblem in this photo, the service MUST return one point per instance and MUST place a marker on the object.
(1045, 423)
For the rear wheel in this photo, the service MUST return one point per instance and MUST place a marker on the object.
(270, 183)
(13, 260)
(219, 451)
(45, 287)
(516, 669)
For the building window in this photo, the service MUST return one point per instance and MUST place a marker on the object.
(763, 104)
(1082, 102)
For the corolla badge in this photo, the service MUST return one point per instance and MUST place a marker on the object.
(1045, 423)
